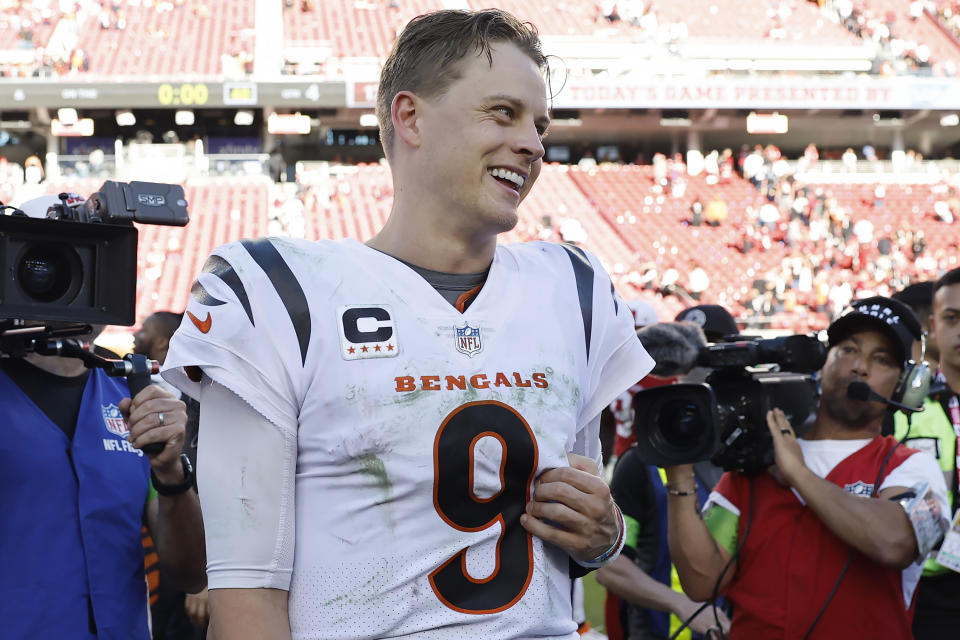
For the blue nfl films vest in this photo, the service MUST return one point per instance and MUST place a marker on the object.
(660, 622)
(72, 512)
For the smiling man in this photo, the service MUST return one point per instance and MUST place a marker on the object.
(401, 438)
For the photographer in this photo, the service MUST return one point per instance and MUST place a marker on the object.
(75, 489)
(649, 603)
(803, 551)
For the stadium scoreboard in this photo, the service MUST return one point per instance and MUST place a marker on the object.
(57, 93)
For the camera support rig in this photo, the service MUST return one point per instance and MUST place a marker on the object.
(17, 341)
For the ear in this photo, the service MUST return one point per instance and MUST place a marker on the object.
(405, 112)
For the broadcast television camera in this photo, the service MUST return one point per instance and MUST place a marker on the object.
(75, 264)
(724, 419)
(79, 262)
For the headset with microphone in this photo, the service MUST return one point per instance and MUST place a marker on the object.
(911, 390)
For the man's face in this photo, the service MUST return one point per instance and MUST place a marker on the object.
(490, 120)
(945, 324)
(144, 339)
(867, 356)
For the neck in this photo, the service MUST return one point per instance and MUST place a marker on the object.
(433, 247)
(427, 230)
(57, 365)
(952, 374)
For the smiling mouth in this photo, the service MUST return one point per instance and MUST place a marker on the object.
(508, 178)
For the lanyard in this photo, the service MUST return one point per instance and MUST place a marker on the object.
(954, 406)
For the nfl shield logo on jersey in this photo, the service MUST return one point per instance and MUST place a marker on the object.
(468, 340)
(113, 420)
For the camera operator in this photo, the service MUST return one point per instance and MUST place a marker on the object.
(647, 601)
(803, 551)
(76, 488)
(936, 430)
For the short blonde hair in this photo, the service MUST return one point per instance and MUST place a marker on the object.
(425, 58)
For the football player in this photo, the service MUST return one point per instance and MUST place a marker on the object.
(400, 438)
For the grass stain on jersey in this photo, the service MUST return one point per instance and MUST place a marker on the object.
(409, 397)
(371, 593)
(373, 466)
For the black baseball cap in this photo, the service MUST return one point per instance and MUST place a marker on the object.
(716, 322)
(887, 315)
(918, 295)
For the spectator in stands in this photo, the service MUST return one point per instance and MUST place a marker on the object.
(696, 212)
(879, 194)
(276, 164)
(587, 162)
(716, 211)
(869, 153)
(697, 281)
(660, 169)
(753, 166)
(609, 11)
(669, 282)
(711, 165)
(849, 160)
(809, 159)
(726, 166)
(33, 170)
(919, 244)
(809, 511)
(769, 215)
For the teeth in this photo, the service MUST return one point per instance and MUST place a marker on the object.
(505, 174)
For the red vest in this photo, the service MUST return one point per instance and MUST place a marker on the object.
(791, 561)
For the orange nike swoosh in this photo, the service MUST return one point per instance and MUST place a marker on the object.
(203, 326)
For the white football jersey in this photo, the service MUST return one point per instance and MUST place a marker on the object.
(419, 429)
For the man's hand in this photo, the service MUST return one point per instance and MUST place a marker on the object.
(143, 414)
(195, 604)
(705, 620)
(787, 454)
(573, 509)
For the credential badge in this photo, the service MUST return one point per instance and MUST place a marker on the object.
(113, 420)
(468, 340)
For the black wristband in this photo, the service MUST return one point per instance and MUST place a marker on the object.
(181, 487)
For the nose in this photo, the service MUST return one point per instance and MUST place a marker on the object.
(859, 365)
(528, 142)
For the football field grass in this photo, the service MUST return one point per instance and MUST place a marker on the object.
(593, 596)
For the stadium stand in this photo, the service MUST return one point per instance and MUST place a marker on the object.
(753, 20)
(169, 39)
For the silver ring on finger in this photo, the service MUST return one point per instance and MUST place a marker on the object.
(160, 418)
(785, 432)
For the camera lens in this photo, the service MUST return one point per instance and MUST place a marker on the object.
(680, 424)
(44, 272)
